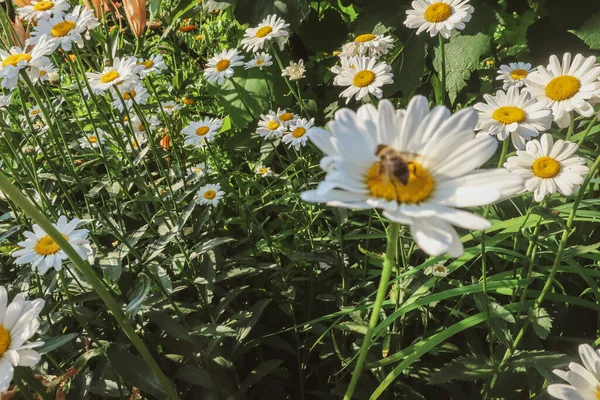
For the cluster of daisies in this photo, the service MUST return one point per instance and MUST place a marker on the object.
(285, 125)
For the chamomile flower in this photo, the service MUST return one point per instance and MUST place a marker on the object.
(572, 86)
(443, 173)
(136, 142)
(286, 117)
(92, 139)
(367, 44)
(294, 71)
(64, 30)
(438, 16)
(31, 59)
(152, 123)
(298, 135)
(514, 74)
(137, 93)
(199, 170)
(270, 28)
(197, 133)
(549, 167)
(364, 76)
(584, 380)
(43, 9)
(170, 106)
(259, 61)
(34, 112)
(220, 66)
(18, 323)
(345, 63)
(210, 194)
(46, 72)
(124, 71)
(438, 270)
(512, 113)
(154, 64)
(270, 126)
(43, 253)
(263, 171)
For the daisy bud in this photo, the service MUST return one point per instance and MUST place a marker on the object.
(135, 10)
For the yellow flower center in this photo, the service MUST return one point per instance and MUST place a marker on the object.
(148, 64)
(134, 144)
(210, 194)
(222, 65)
(188, 100)
(4, 340)
(363, 78)
(286, 116)
(109, 76)
(563, 87)
(440, 269)
(43, 5)
(142, 127)
(263, 171)
(546, 167)
(42, 72)
(508, 114)
(264, 31)
(367, 37)
(92, 139)
(260, 62)
(196, 170)
(203, 130)
(14, 59)
(598, 393)
(46, 246)
(438, 12)
(62, 28)
(129, 95)
(383, 185)
(273, 125)
(298, 132)
(35, 112)
(518, 74)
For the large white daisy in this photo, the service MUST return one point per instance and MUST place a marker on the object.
(363, 76)
(549, 167)
(44, 9)
(43, 253)
(18, 323)
(442, 156)
(31, 59)
(270, 28)
(197, 133)
(584, 380)
(367, 44)
(570, 86)
(270, 125)
(512, 113)
(67, 29)
(438, 16)
(210, 194)
(298, 133)
(220, 66)
(514, 74)
(124, 71)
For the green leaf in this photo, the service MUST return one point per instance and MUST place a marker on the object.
(254, 11)
(469, 368)
(169, 325)
(408, 67)
(462, 58)
(541, 322)
(139, 294)
(256, 310)
(56, 342)
(195, 375)
(134, 370)
(256, 375)
(539, 358)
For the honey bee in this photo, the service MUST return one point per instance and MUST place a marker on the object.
(394, 163)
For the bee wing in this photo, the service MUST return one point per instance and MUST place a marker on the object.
(413, 156)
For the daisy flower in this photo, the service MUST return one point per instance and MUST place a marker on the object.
(514, 74)
(46, 72)
(210, 194)
(66, 30)
(364, 76)
(295, 71)
(572, 86)
(200, 132)
(270, 28)
(18, 58)
(263, 171)
(152, 122)
(136, 142)
(368, 44)
(438, 270)
(270, 126)
(260, 60)
(123, 71)
(220, 66)
(584, 380)
(337, 70)
(92, 139)
(18, 323)
(43, 253)
(44, 9)
(440, 16)
(442, 158)
(138, 93)
(298, 135)
(170, 106)
(286, 117)
(512, 113)
(549, 167)
(35, 112)
(199, 170)
(154, 63)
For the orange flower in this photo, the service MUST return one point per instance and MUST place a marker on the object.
(135, 10)
(199, 37)
(165, 142)
(187, 100)
(97, 6)
(23, 3)
(187, 28)
(20, 34)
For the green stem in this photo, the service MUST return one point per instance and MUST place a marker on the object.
(571, 126)
(86, 270)
(443, 76)
(588, 129)
(392, 243)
